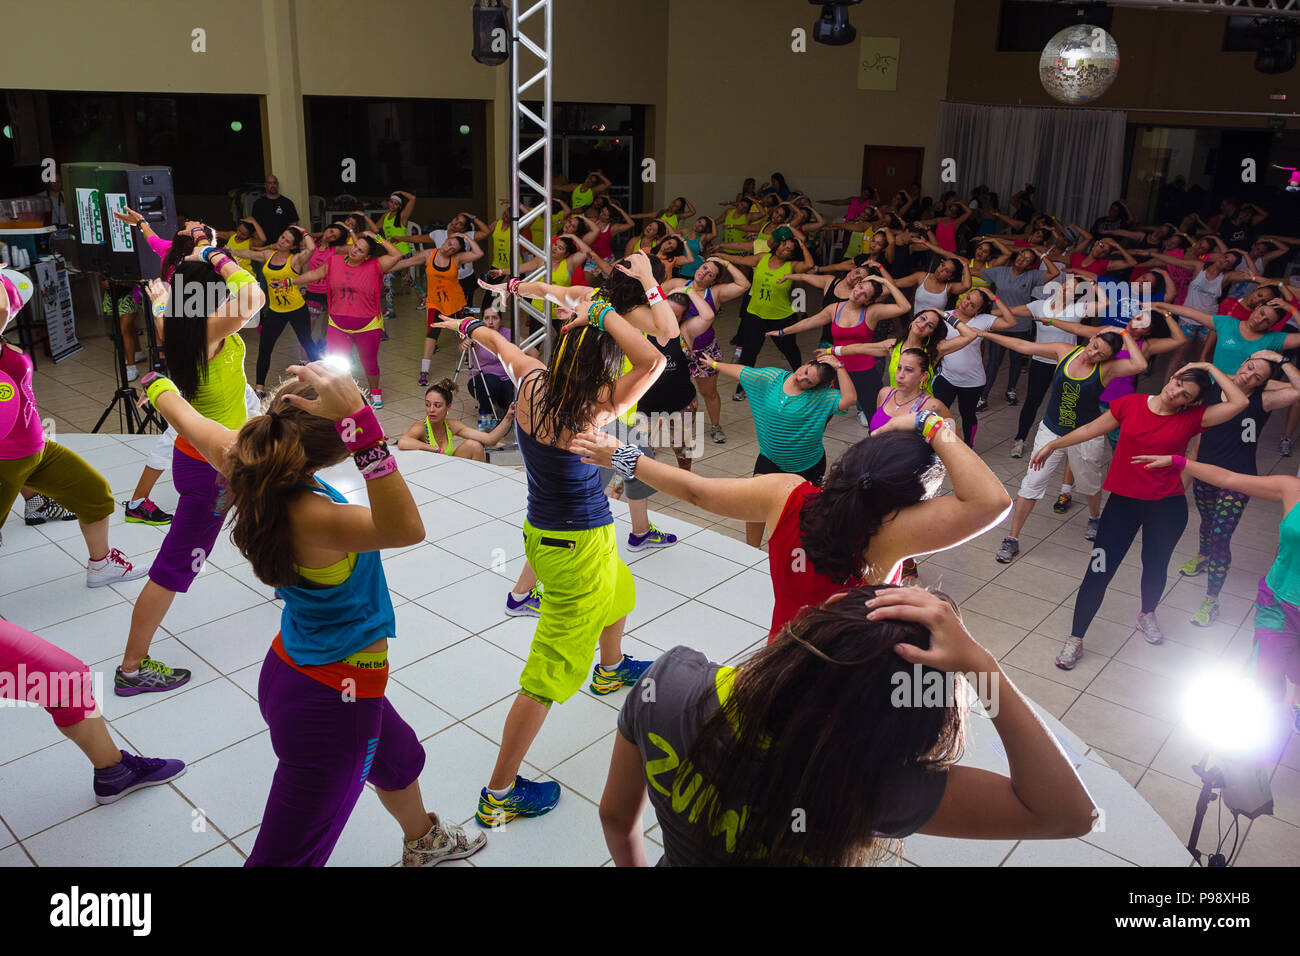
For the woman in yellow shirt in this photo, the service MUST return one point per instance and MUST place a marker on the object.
(435, 431)
(286, 305)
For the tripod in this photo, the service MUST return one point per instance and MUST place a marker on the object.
(136, 420)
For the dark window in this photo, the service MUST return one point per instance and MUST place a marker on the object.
(1025, 26)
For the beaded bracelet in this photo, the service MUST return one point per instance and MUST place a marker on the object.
(513, 284)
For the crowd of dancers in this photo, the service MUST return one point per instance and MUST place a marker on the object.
(915, 314)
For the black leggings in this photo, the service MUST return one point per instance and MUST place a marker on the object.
(273, 324)
(994, 361)
(498, 390)
(1162, 522)
(967, 398)
(867, 384)
(1040, 381)
(753, 333)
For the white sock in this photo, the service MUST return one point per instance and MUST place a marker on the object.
(131, 673)
(519, 595)
(101, 563)
(424, 364)
(1066, 489)
(500, 793)
(135, 502)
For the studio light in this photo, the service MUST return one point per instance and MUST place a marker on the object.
(491, 32)
(339, 363)
(833, 27)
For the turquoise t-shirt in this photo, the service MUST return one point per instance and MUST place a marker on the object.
(1232, 348)
(789, 427)
(1284, 576)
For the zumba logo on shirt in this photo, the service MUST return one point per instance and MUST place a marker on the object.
(1069, 416)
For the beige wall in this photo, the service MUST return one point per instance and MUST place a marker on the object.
(1170, 60)
(759, 108)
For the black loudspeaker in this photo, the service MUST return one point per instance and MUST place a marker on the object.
(98, 241)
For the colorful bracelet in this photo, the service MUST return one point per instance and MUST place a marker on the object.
(933, 427)
(470, 325)
(380, 469)
(373, 455)
(360, 430)
(1178, 461)
(512, 285)
(656, 295)
(624, 460)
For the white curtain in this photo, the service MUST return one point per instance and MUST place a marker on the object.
(1074, 157)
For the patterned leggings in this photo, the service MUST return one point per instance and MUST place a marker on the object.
(1220, 511)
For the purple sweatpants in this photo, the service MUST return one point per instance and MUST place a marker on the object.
(1277, 642)
(195, 525)
(328, 747)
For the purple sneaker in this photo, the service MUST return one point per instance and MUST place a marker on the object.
(530, 606)
(134, 773)
(654, 538)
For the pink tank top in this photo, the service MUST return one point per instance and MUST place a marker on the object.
(354, 290)
(946, 233)
(318, 259)
(853, 335)
(880, 418)
(26, 437)
(601, 244)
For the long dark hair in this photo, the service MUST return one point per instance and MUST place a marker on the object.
(903, 325)
(182, 246)
(818, 731)
(196, 292)
(272, 456)
(870, 482)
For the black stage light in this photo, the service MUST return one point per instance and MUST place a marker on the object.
(491, 32)
(1277, 47)
(833, 27)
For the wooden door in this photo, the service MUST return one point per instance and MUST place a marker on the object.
(891, 168)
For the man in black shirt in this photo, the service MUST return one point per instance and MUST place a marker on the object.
(273, 212)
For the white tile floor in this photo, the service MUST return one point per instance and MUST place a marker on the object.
(455, 667)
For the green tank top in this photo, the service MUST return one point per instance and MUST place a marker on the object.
(1284, 576)
(582, 197)
(731, 224)
(220, 396)
(392, 228)
(559, 276)
(894, 358)
(445, 446)
(501, 245)
(771, 298)
(671, 219)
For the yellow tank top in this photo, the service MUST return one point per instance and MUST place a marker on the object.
(731, 224)
(977, 281)
(559, 276)
(671, 219)
(392, 227)
(282, 300)
(445, 446)
(501, 245)
(771, 298)
(232, 244)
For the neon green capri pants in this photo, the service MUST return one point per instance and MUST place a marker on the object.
(585, 588)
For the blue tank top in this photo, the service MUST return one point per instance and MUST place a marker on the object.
(321, 625)
(563, 493)
(688, 271)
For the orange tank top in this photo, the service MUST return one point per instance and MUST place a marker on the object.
(445, 294)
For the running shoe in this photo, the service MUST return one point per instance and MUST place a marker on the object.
(147, 513)
(739, 396)
(530, 606)
(422, 379)
(1062, 503)
(132, 373)
(1010, 548)
(153, 676)
(982, 405)
(1284, 446)
(654, 538)
(1070, 653)
(443, 843)
(625, 674)
(114, 569)
(1091, 532)
(1208, 612)
(50, 510)
(1150, 628)
(34, 510)
(1012, 397)
(376, 399)
(1018, 448)
(525, 799)
(718, 435)
(909, 569)
(132, 774)
(1195, 566)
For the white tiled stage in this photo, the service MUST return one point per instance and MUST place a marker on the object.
(455, 664)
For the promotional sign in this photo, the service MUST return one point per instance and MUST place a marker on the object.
(56, 306)
(92, 227)
(119, 232)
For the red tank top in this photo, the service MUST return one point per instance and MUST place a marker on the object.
(795, 585)
(946, 235)
(853, 335)
(602, 244)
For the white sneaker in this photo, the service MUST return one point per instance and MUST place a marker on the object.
(114, 569)
(1017, 448)
(863, 420)
(1150, 628)
(132, 373)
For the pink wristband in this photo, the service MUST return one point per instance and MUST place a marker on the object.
(360, 430)
(1178, 461)
(379, 469)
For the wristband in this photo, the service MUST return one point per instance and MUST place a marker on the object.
(780, 333)
(1178, 461)
(837, 350)
(380, 469)
(155, 386)
(512, 285)
(360, 430)
(373, 455)
(624, 460)
(654, 296)
(469, 325)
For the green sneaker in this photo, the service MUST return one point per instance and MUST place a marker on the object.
(1208, 613)
(1195, 566)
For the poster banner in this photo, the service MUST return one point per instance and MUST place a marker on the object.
(878, 64)
(56, 307)
(92, 228)
(118, 232)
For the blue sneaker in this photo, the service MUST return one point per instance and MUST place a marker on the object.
(627, 673)
(525, 799)
(654, 538)
(530, 606)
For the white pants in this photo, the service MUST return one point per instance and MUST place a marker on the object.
(1088, 460)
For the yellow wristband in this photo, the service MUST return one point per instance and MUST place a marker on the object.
(158, 386)
(238, 279)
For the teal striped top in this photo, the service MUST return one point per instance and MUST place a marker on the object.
(789, 427)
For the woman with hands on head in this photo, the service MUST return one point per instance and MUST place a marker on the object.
(1140, 499)
(866, 771)
(322, 684)
(444, 295)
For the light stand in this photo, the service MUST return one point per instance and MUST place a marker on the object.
(135, 419)
(1211, 780)
(469, 360)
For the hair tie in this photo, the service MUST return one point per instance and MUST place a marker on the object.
(864, 483)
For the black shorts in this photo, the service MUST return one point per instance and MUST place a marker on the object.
(766, 466)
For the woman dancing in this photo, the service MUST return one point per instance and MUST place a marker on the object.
(444, 296)
(287, 258)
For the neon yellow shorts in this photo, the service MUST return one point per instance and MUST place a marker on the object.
(585, 588)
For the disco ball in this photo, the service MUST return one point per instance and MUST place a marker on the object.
(1079, 64)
